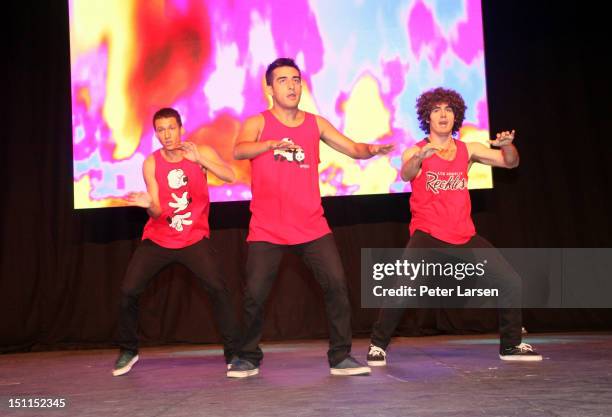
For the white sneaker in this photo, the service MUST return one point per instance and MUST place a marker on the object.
(377, 356)
(520, 353)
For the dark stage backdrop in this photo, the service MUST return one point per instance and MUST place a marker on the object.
(61, 269)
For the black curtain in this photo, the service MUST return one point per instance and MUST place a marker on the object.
(61, 269)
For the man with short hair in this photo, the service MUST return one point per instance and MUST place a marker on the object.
(177, 231)
(283, 146)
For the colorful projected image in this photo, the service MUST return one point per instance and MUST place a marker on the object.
(364, 63)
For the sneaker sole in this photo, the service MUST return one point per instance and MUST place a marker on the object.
(363, 370)
(242, 374)
(126, 368)
(377, 363)
(519, 358)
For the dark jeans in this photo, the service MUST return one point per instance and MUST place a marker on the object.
(148, 259)
(510, 319)
(321, 256)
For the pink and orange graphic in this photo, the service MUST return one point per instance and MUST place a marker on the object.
(364, 63)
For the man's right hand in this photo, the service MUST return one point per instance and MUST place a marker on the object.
(412, 159)
(280, 144)
(427, 151)
(139, 199)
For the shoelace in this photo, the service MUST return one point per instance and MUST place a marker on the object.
(525, 347)
(376, 351)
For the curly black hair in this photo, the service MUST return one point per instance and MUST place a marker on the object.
(431, 98)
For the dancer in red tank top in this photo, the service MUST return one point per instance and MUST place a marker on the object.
(177, 231)
(440, 205)
(283, 146)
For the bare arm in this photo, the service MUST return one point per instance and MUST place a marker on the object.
(341, 143)
(412, 158)
(209, 159)
(248, 144)
(505, 157)
(149, 199)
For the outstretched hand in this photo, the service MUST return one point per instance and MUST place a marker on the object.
(139, 199)
(380, 149)
(503, 139)
(428, 150)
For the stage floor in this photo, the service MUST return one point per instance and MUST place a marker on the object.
(426, 376)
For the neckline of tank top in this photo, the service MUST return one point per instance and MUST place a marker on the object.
(443, 159)
(290, 127)
(161, 153)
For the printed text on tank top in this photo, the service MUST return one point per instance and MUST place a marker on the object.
(440, 202)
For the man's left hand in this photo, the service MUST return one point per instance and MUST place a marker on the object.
(380, 149)
(503, 139)
(190, 151)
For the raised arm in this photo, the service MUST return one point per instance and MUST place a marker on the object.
(505, 157)
(249, 144)
(341, 143)
(209, 159)
(412, 158)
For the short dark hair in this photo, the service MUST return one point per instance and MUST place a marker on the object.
(166, 113)
(429, 99)
(280, 62)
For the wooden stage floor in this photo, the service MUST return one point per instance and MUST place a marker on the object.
(426, 376)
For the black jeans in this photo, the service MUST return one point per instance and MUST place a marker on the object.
(148, 259)
(321, 256)
(510, 319)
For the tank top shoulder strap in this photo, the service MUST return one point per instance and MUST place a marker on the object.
(157, 157)
(462, 151)
(422, 143)
(309, 117)
(310, 122)
(269, 119)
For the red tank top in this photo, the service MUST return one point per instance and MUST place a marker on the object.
(286, 204)
(440, 201)
(183, 197)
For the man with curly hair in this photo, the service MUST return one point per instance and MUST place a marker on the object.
(437, 168)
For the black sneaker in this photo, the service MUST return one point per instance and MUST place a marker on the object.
(125, 361)
(522, 352)
(242, 369)
(377, 356)
(232, 362)
(349, 366)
